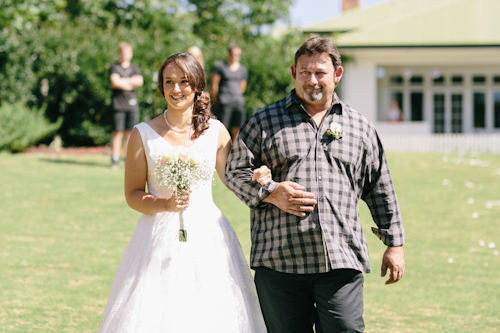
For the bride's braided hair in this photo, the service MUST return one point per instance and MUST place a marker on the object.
(196, 77)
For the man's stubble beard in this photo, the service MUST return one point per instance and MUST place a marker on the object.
(313, 96)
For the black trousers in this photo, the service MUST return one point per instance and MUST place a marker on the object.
(293, 303)
(231, 115)
(124, 120)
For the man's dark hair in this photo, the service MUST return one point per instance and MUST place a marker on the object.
(319, 45)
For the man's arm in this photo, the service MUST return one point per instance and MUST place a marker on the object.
(214, 87)
(126, 83)
(243, 86)
(136, 80)
(243, 159)
(244, 80)
(380, 196)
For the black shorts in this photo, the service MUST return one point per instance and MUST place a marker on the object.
(124, 120)
(231, 115)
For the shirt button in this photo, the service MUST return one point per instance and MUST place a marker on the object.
(319, 177)
(321, 199)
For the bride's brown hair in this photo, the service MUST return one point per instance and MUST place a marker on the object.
(196, 77)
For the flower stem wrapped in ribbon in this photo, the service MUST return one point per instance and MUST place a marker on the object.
(180, 170)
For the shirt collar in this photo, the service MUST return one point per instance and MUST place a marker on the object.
(292, 99)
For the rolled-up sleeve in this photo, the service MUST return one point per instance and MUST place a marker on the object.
(242, 161)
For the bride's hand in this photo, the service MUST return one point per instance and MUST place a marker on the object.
(262, 175)
(178, 202)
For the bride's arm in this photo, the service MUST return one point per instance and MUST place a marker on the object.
(223, 149)
(136, 169)
(261, 175)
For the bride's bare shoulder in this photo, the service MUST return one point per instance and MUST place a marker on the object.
(157, 123)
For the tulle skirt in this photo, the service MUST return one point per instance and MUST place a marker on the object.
(202, 285)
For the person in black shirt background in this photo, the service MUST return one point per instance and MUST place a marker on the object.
(227, 86)
(125, 78)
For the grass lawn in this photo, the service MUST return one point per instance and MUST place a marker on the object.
(64, 225)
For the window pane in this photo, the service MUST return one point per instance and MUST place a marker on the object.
(439, 113)
(479, 110)
(479, 79)
(397, 80)
(417, 106)
(456, 113)
(438, 80)
(496, 79)
(496, 110)
(416, 80)
(457, 79)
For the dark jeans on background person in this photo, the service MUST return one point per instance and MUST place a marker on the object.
(291, 303)
(232, 114)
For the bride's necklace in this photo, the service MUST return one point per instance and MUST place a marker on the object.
(175, 129)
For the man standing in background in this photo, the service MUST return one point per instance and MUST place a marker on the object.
(125, 78)
(227, 86)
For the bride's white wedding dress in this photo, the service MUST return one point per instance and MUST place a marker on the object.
(200, 286)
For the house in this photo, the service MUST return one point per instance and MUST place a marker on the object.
(438, 61)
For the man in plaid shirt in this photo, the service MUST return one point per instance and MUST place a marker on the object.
(308, 248)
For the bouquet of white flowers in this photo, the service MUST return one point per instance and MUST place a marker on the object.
(181, 169)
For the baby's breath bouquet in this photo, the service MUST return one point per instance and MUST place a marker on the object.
(182, 169)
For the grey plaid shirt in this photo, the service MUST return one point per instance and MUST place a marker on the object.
(337, 171)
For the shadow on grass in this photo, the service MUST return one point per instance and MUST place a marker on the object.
(75, 162)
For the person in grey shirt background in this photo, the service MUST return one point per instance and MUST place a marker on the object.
(308, 250)
(227, 86)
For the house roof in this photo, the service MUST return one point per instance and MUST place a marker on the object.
(417, 23)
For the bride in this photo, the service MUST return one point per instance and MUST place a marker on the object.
(163, 283)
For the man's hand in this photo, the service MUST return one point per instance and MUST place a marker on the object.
(394, 259)
(290, 197)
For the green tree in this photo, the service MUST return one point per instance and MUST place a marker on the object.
(75, 60)
(56, 54)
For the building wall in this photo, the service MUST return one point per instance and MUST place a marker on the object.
(359, 88)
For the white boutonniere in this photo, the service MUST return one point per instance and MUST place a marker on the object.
(335, 131)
